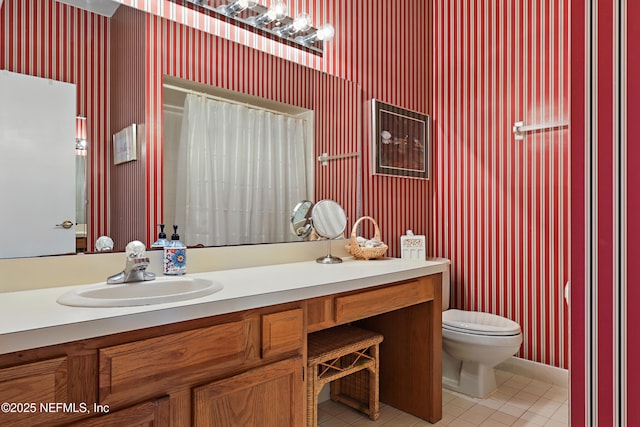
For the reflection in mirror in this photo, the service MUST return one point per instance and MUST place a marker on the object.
(104, 244)
(81, 184)
(220, 181)
(129, 55)
(301, 219)
(329, 221)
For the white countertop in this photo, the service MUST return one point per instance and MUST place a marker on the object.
(32, 319)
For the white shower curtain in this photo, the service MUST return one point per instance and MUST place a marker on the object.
(240, 172)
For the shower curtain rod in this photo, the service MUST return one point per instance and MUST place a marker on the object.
(231, 101)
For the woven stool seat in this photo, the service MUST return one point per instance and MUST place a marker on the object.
(346, 357)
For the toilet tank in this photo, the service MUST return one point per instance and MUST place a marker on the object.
(446, 289)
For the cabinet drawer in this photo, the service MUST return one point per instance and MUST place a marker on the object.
(282, 332)
(55, 381)
(320, 314)
(378, 301)
(150, 367)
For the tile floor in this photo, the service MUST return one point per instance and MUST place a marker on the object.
(519, 401)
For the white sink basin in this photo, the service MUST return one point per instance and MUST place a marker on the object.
(157, 291)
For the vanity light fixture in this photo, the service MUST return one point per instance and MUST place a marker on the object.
(271, 21)
(299, 24)
(277, 12)
(238, 6)
(324, 33)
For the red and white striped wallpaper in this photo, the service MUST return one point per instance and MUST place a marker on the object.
(497, 207)
(502, 205)
(605, 338)
(128, 195)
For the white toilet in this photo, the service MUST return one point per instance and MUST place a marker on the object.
(473, 343)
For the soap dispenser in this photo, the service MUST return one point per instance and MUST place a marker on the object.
(162, 238)
(175, 255)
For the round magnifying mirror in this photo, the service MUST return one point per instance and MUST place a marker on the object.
(301, 219)
(329, 221)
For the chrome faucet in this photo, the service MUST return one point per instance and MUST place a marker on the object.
(136, 268)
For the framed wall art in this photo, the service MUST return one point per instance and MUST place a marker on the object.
(401, 141)
(125, 145)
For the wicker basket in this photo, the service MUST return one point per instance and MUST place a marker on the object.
(360, 252)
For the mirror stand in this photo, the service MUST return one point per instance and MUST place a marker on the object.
(329, 221)
(329, 259)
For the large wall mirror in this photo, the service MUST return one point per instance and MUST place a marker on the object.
(233, 165)
(122, 66)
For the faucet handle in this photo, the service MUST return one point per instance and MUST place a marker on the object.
(135, 249)
(133, 262)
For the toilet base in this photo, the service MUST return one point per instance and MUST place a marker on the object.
(470, 378)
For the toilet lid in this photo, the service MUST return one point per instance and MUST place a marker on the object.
(478, 323)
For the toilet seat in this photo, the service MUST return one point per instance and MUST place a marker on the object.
(477, 323)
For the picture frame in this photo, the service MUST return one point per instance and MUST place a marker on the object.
(125, 145)
(401, 141)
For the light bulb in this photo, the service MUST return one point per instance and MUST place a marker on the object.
(325, 32)
(277, 11)
(302, 22)
(247, 4)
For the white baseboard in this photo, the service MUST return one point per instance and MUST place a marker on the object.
(515, 365)
(538, 371)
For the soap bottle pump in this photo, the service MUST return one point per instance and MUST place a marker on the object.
(175, 255)
(162, 238)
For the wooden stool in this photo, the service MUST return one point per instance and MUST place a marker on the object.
(333, 354)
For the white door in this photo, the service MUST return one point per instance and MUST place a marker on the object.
(37, 166)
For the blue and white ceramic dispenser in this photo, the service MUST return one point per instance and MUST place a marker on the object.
(175, 255)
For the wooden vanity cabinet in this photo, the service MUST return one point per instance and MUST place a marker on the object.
(163, 376)
(240, 369)
(409, 316)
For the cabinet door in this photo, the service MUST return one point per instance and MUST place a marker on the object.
(49, 392)
(269, 396)
(282, 332)
(148, 414)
